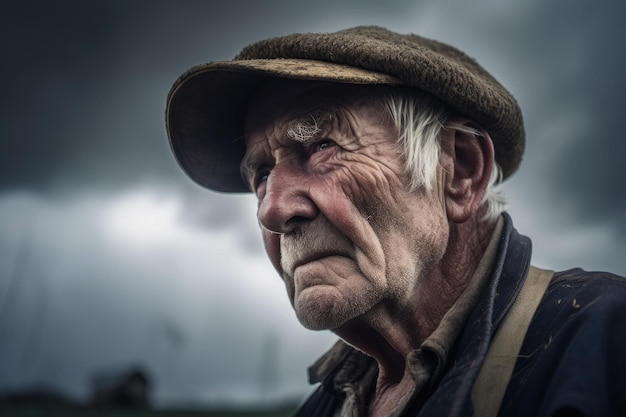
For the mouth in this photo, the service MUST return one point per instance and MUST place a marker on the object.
(292, 260)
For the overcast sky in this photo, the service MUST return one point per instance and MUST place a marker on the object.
(110, 256)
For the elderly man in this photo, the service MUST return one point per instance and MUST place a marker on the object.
(374, 156)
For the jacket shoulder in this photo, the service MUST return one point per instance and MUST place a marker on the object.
(572, 358)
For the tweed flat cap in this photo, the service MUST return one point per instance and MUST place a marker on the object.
(207, 104)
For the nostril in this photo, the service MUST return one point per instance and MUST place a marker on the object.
(296, 221)
(284, 218)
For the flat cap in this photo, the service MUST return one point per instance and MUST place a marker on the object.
(206, 106)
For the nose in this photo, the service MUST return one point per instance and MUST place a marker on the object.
(287, 201)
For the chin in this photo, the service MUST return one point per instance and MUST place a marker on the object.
(319, 311)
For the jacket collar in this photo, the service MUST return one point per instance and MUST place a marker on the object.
(507, 280)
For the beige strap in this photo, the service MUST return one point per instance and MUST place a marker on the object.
(497, 369)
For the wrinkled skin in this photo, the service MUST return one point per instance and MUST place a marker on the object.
(358, 252)
(338, 222)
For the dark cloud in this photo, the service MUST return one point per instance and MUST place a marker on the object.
(53, 56)
(563, 62)
(574, 51)
(85, 86)
(82, 142)
(590, 173)
(84, 83)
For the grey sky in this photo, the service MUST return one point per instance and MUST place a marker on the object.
(109, 255)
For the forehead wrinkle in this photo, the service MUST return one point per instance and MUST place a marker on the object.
(367, 108)
(273, 116)
(275, 125)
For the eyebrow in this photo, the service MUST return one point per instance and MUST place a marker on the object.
(312, 122)
(303, 129)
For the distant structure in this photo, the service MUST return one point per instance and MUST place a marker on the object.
(128, 389)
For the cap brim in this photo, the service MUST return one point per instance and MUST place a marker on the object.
(207, 105)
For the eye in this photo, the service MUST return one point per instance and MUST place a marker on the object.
(261, 176)
(322, 145)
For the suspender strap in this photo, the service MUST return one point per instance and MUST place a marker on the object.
(497, 369)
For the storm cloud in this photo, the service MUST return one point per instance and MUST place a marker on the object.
(110, 255)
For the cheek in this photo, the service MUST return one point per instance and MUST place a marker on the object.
(374, 194)
(358, 198)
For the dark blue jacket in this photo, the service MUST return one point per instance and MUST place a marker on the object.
(572, 361)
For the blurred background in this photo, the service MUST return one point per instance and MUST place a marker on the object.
(116, 269)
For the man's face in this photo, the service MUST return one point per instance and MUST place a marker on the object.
(338, 222)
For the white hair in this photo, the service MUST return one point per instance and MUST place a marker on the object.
(420, 119)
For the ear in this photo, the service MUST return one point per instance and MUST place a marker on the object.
(469, 164)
